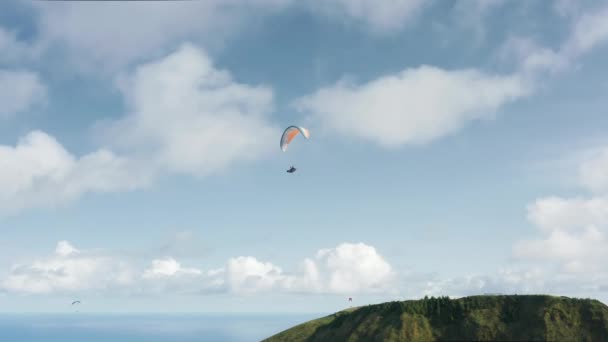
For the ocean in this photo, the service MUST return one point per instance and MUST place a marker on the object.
(87, 327)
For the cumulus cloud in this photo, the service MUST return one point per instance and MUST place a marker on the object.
(414, 106)
(574, 234)
(381, 16)
(566, 255)
(351, 268)
(187, 116)
(584, 250)
(347, 268)
(67, 271)
(72, 270)
(168, 267)
(64, 249)
(419, 105)
(573, 231)
(39, 171)
(247, 274)
(19, 91)
(184, 116)
(556, 213)
(167, 275)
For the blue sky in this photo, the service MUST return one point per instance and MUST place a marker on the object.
(457, 148)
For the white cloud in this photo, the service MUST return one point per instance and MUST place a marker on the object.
(345, 269)
(574, 238)
(19, 91)
(352, 268)
(67, 271)
(556, 213)
(71, 270)
(187, 116)
(110, 35)
(414, 106)
(581, 249)
(247, 274)
(184, 116)
(568, 255)
(38, 171)
(381, 16)
(167, 275)
(168, 267)
(422, 104)
(64, 249)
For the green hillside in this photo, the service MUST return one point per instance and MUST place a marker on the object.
(477, 318)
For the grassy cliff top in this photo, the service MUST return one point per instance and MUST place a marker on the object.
(488, 317)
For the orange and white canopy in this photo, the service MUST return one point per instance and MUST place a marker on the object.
(290, 133)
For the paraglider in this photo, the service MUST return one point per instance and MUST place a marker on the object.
(76, 302)
(290, 133)
(287, 137)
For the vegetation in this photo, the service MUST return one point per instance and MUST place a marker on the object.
(477, 318)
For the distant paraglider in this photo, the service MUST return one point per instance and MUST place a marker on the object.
(76, 302)
(288, 135)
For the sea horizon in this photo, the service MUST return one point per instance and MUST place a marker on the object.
(147, 326)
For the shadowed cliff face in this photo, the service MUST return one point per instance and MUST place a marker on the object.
(500, 317)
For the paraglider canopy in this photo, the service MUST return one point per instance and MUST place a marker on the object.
(290, 133)
(76, 302)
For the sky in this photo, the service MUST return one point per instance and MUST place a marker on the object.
(457, 148)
